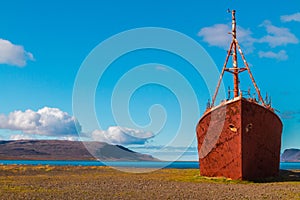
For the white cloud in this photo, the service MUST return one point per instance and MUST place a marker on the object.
(121, 135)
(293, 17)
(169, 152)
(70, 138)
(46, 122)
(12, 54)
(277, 36)
(20, 137)
(281, 55)
(217, 35)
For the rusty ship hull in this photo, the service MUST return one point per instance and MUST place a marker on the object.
(247, 144)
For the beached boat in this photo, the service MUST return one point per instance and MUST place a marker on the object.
(241, 137)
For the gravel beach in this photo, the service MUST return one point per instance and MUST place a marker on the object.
(61, 182)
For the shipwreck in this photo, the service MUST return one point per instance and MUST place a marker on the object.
(241, 137)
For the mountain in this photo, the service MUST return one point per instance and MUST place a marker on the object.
(291, 155)
(67, 150)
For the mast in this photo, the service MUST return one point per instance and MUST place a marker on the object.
(235, 70)
(234, 57)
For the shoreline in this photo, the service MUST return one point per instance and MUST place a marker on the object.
(136, 164)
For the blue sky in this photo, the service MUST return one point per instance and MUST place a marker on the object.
(44, 43)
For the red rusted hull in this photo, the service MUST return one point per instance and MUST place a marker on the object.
(247, 144)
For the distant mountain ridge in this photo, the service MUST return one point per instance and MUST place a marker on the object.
(67, 150)
(291, 155)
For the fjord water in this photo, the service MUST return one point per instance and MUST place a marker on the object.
(143, 164)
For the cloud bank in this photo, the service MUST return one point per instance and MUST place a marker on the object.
(281, 55)
(55, 124)
(12, 54)
(122, 135)
(277, 36)
(217, 35)
(292, 17)
(45, 122)
(21, 137)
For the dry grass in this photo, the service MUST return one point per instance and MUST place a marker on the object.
(63, 182)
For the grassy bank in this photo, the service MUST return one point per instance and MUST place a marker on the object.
(51, 182)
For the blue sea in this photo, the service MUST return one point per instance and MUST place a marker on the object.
(143, 164)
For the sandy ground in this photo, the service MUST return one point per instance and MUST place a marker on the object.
(47, 182)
